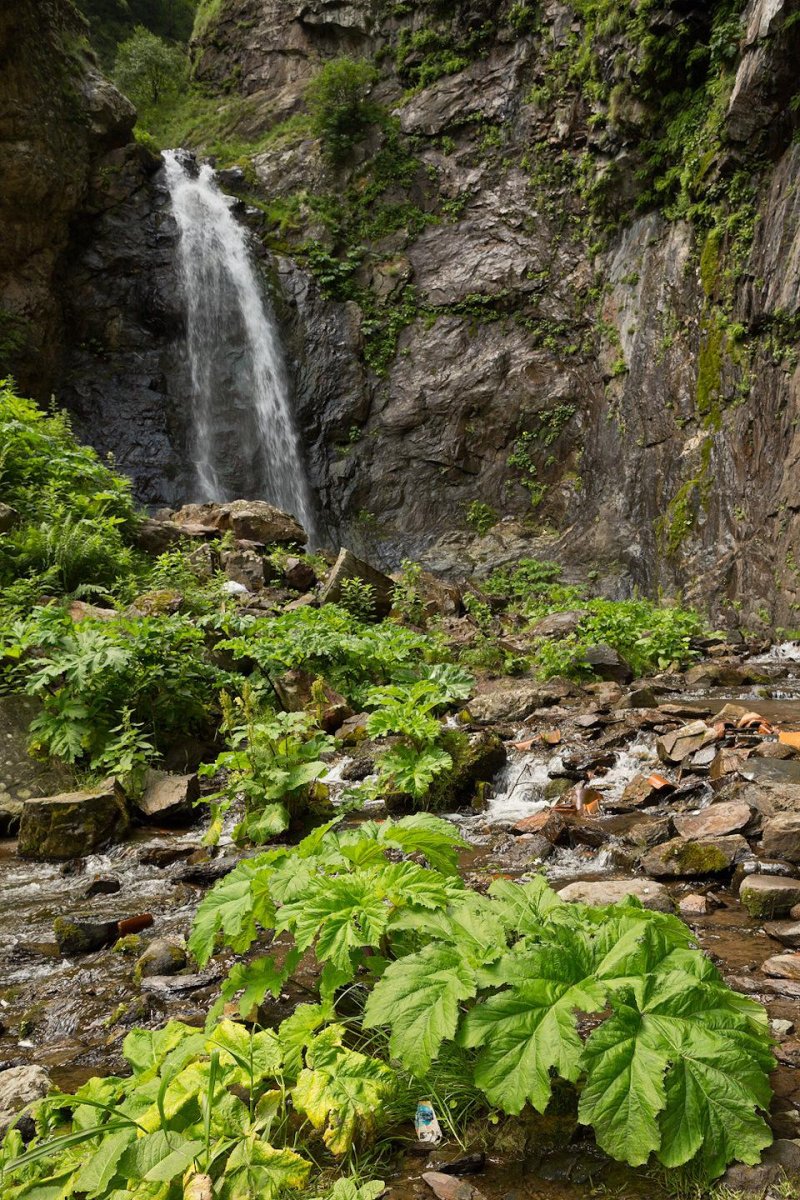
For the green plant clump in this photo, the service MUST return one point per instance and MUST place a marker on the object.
(674, 1064)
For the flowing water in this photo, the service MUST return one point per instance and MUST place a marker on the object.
(245, 442)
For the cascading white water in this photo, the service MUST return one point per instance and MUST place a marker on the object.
(245, 443)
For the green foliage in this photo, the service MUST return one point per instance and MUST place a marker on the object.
(273, 759)
(338, 101)
(149, 70)
(424, 55)
(408, 711)
(349, 654)
(481, 517)
(106, 686)
(111, 22)
(528, 577)
(219, 1104)
(673, 1063)
(358, 598)
(75, 512)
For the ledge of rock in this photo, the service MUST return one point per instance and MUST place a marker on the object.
(74, 823)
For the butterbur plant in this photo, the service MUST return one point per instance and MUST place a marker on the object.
(672, 1063)
(272, 760)
(214, 1112)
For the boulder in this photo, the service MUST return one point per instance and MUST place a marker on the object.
(155, 537)
(246, 567)
(769, 895)
(607, 664)
(783, 966)
(353, 729)
(787, 932)
(76, 936)
(613, 891)
(693, 905)
(80, 610)
(299, 575)
(678, 859)
(10, 814)
(779, 1161)
(714, 821)
(158, 603)
(545, 823)
(299, 691)
(9, 517)
(347, 566)
(641, 791)
(168, 797)
(73, 824)
(19, 1087)
(252, 520)
(164, 956)
(508, 704)
(782, 836)
(557, 625)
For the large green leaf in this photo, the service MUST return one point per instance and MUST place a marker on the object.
(159, 1156)
(529, 1031)
(256, 1054)
(341, 1091)
(256, 1169)
(710, 1047)
(343, 914)
(422, 833)
(98, 1171)
(227, 909)
(624, 1091)
(418, 998)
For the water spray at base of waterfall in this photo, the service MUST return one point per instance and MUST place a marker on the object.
(245, 441)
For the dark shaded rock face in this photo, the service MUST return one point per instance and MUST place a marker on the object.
(58, 116)
(124, 377)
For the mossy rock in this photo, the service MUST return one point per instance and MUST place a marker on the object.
(477, 758)
(679, 858)
(72, 824)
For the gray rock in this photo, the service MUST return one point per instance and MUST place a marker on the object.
(769, 895)
(787, 932)
(714, 821)
(19, 1087)
(779, 1161)
(73, 824)
(613, 891)
(558, 624)
(512, 703)
(22, 777)
(169, 797)
(76, 936)
(608, 664)
(678, 859)
(247, 568)
(783, 966)
(781, 836)
(347, 566)
(164, 956)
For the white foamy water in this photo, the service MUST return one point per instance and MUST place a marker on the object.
(245, 439)
(518, 789)
(635, 759)
(782, 652)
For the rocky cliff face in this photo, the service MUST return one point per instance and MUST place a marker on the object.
(548, 305)
(58, 116)
(562, 282)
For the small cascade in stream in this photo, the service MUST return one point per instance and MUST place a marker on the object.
(245, 443)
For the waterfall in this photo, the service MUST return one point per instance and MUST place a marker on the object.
(244, 440)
